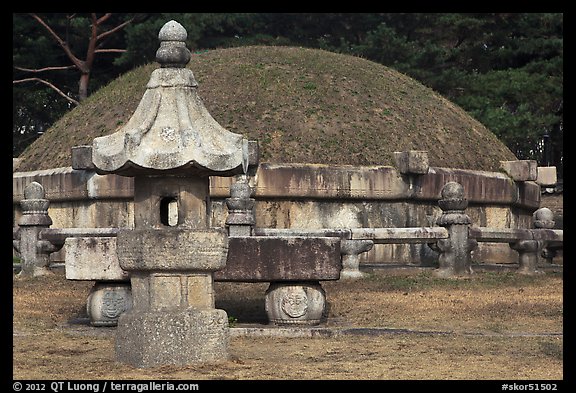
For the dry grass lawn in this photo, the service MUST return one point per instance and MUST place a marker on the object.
(494, 326)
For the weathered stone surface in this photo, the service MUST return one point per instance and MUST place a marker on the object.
(505, 235)
(481, 187)
(543, 218)
(494, 201)
(241, 217)
(93, 258)
(166, 290)
(172, 249)
(34, 252)
(172, 51)
(34, 207)
(172, 337)
(254, 259)
(529, 194)
(351, 250)
(328, 181)
(400, 235)
(342, 233)
(528, 251)
(58, 236)
(154, 195)
(521, 170)
(412, 162)
(297, 181)
(82, 158)
(547, 176)
(454, 252)
(70, 185)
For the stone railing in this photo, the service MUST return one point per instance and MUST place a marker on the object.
(293, 261)
(531, 244)
(315, 196)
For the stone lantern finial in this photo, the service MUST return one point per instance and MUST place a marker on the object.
(173, 51)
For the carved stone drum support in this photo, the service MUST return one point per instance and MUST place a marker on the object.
(295, 303)
(107, 301)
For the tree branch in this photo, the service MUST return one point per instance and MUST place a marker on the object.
(45, 68)
(103, 18)
(110, 50)
(76, 61)
(115, 29)
(48, 84)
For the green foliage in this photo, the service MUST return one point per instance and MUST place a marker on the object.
(516, 105)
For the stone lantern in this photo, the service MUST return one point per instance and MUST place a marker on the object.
(170, 146)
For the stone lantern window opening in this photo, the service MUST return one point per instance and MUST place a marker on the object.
(169, 211)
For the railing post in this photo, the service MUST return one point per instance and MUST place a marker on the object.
(544, 218)
(34, 252)
(454, 258)
(351, 250)
(240, 220)
(529, 251)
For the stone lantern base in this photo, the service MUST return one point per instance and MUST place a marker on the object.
(174, 337)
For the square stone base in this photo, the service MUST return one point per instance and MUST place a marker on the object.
(173, 337)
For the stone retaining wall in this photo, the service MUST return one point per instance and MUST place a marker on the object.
(312, 196)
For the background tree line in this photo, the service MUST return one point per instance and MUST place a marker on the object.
(505, 69)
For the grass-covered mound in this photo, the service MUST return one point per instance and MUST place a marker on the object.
(302, 105)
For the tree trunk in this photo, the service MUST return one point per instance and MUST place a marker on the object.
(83, 86)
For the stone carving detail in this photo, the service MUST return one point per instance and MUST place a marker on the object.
(113, 304)
(241, 218)
(168, 134)
(171, 144)
(543, 218)
(295, 302)
(351, 250)
(107, 301)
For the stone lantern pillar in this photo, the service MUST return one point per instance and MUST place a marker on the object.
(171, 145)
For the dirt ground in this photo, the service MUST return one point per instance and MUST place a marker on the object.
(493, 326)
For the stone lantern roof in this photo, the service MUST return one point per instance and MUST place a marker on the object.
(171, 132)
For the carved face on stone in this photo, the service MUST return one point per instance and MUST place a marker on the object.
(295, 303)
(113, 304)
